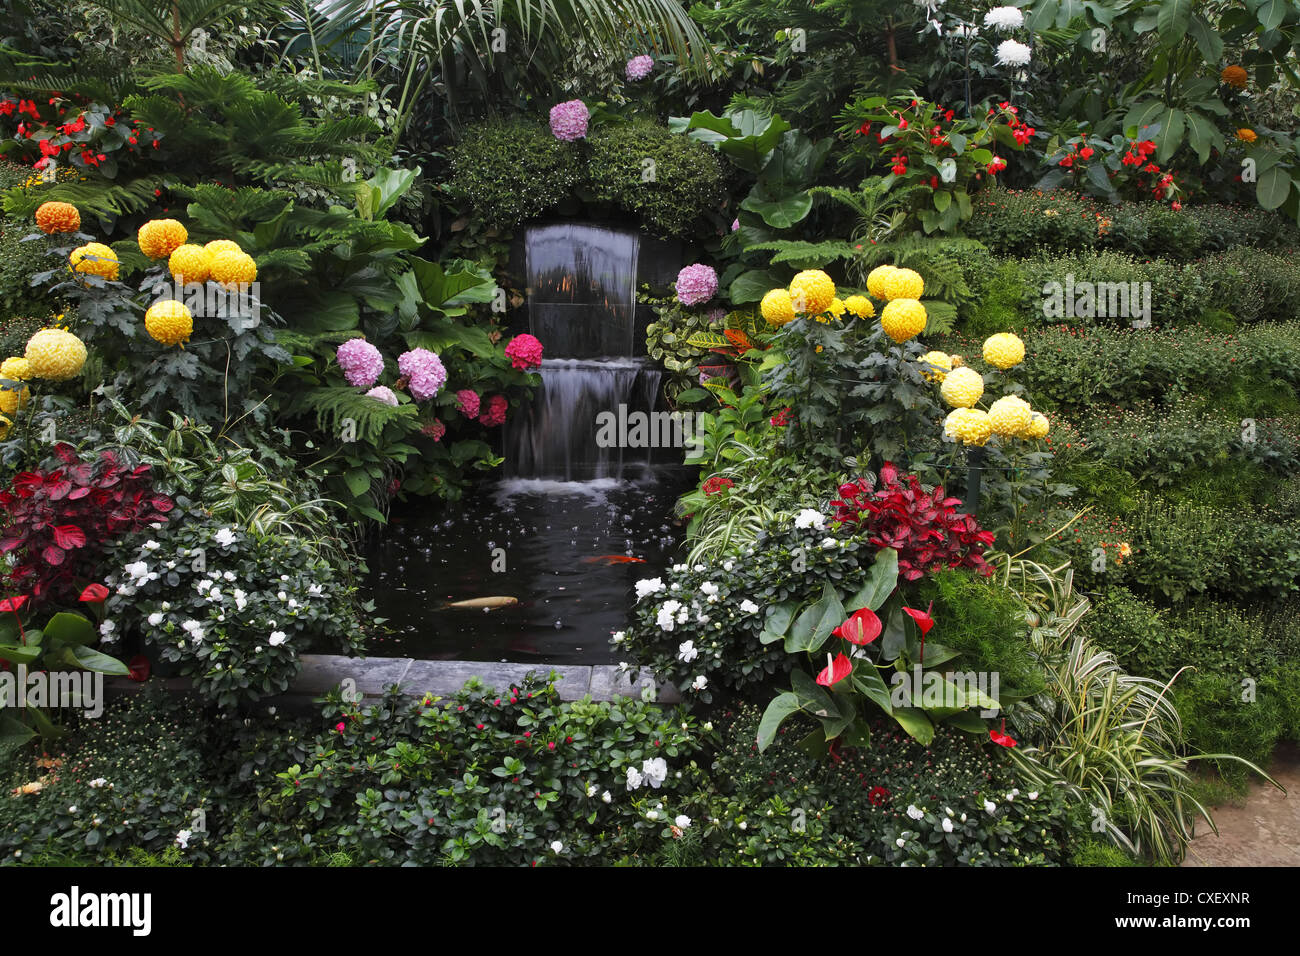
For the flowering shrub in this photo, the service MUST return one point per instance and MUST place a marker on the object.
(924, 527)
(569, 120)
(361, 362)
(59, 518)
(232, 608)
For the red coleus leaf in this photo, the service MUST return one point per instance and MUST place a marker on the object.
(52, 555)
(861, 628)
(66, 453)
(94, 593)
(69, 536)
(836, 671)
(13, 604)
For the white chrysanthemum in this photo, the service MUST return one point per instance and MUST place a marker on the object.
(1004, 19)
(1013, 53)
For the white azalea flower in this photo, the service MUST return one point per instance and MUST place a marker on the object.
(225, 537)
(990, 806)
(655, 771)
(606, 797)
(748, 606)
(683, 821)
(686, 652)
(648, 586)
(914, 812)
(556, 846)
(277, 638)
(699, 683)
(155, 618)
(634, 779)
(808, 518)
(947, 825)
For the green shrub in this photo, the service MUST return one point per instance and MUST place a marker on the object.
(1228, 227)
(668, 181)
(1179, 292)
(1010, 222)
(1254, 285)
(1000, 306)
(19, 261)
(1218, 716)
(510, 172)
(1096, 853)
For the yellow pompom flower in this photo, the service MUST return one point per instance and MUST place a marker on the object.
(903, 319)
(812, 292)
(902, 284)
(860, 306)
(55, 354)
(777, 307)
(962, 387)
(837, 307)
(12, 399)
(935, 366)
(876, 280)
(1011, 416)
(16, 369)
(169, 322)
(1038, 428)
(1004, 350)
(970, 426)
(159, 238)
(96, 259)
(232, 268)
(52, 217)
(5, 425)
(189, 263)
(222, 245)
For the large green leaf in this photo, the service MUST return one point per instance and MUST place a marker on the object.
(814, 625)
(386, 187)
(472, 338)
(93, 660)
(19, 653)
(1172, 21)
(880, 583)
(69, 627)
(751, 286)
(782, 212)
(746, 137)
(916, 723)
(777, 620)
(869, 683)
(1208, 40)
(782, 706)
(1273, 186)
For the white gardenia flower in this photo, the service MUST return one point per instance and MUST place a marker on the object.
(1005, 19)
(808, 518)
(591, 790)
(634, 779)
(708, 587)
(648, 586)
(748, 606)
(1013, 53)
(151, 545)
(107, 628)
(155, 618)
(183, 839)
(556, 846)
(990, 806)
(655, 771)
(226, 537)
(619, 637)
(947, 825)
(277, 638)
(914, 812)
(686, 652)
(683, 821)
(606, 797)
(699, 683)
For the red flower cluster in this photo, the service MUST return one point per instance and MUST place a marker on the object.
(922, 526)
(781, 419)
(58, 519)
(716, 484)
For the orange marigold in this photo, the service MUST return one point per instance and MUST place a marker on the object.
(1234, 76)
(52, 217)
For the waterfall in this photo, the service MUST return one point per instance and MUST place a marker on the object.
(582, 305)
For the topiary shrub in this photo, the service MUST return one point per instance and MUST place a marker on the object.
(513, 171)
(665, 179)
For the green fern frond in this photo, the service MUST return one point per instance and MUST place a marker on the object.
(335, 407)
(805, 255)
(107, 200)
(304, 343)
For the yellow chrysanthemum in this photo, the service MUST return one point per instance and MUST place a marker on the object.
(957, 360)
(52, 217)
(777, 307)
(860, 306)
(232, 268)
(55, 354)
(1039, 426)
(1011, 416)
(935, 366)
(16, 369)
(1004, 350)
(1246, 135)
(169, 322)
(96, 259)
(159, 238)
(876, 280)
(12, 399)
(812, 291)
(5, 425)
(837, 307)
(222, 245)
(962, 387)
(970, 426)
(903, 319)
(902, 284)
(190, 263)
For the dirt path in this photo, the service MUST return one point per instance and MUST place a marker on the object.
(1265, 831)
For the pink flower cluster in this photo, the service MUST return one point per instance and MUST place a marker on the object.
(435, 430)
(423, 371)
(639, 67)
(525, 351)
(361, 362)
(382, 393)
(696, 284)
(467, 402)
(569, 120)
(496, 411)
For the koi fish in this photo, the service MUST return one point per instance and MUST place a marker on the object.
(485, 602)
(609, 559)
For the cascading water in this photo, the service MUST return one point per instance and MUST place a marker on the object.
(582, 305)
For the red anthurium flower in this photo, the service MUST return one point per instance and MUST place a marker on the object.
(922, 618)
(13, 604)
(139, 668)
(94, 593)
(1001, 738)
(836, 671)
(861, 628)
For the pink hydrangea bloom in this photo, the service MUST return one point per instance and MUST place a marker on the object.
(696, 284)
(569, 120)
(525, 351)
(435, 430)
(467, 402)
(639, 67)
(424, 373)
(361, 362)
(496, 411)
(382, 393)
